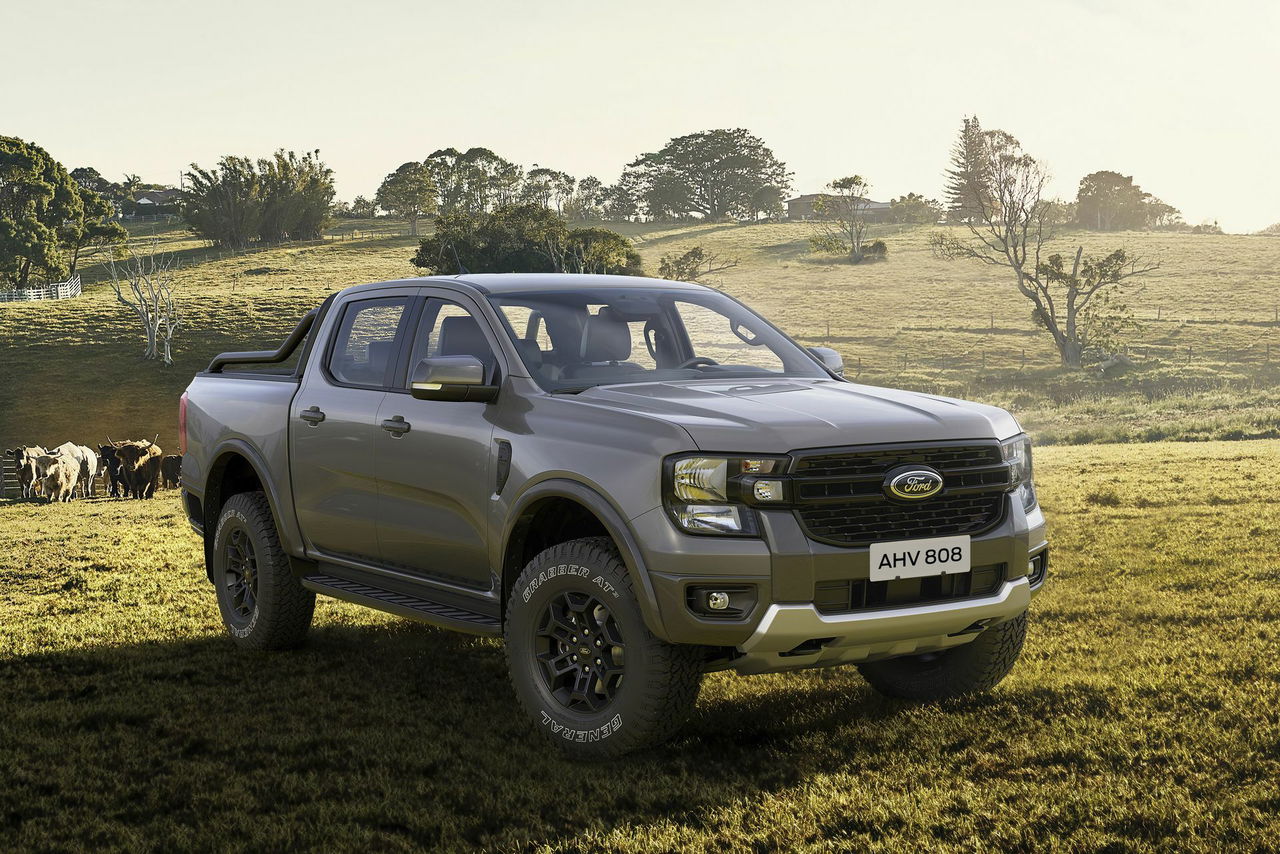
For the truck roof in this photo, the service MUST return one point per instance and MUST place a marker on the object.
(501, 283)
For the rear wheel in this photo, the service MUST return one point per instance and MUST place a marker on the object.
(584, 665)
(974, 667)
(263, 604)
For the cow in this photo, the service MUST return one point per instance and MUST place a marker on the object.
(25, 458)
(110, 465)
(140, 466)
(88, 461)
(171, 470)
(58, 473)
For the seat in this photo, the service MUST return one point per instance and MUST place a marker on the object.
(462, 336)
(606, 343)
(373, 370)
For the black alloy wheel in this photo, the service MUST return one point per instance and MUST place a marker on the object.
(580, 651)
(241, 577)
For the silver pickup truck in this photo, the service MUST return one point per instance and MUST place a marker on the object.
(633, 481)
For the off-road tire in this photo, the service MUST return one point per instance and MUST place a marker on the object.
(967, 669)
(282, 608)
(660, 681)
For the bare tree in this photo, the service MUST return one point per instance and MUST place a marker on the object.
(144, 283)
(696, 265)
(996, 190)
(844, 230)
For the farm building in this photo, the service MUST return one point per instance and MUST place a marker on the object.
(157, 197)
(802, 207)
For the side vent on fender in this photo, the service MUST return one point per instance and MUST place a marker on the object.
(504, 466)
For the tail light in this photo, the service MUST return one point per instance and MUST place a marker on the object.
(182, 424)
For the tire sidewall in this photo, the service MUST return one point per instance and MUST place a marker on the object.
(234, 518)
(550, 576)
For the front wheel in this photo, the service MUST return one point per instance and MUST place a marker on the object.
(263, 604)
(976, 666)
(585, 667)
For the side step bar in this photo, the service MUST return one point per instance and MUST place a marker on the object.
(403, 605)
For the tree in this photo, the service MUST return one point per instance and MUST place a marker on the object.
(1109, 201)
(965, 179)
(95, 227)
(843, 226)
(767, 201)
(473, 181)
(38, 200)
(145, 286)
(598, 250)
(621, 201)
(284, 197)
(524, 238)
(914, 208)
(362, 208)
(713, 174)
(693, 265)
(587, 202)
(410, 193)
(997, 189)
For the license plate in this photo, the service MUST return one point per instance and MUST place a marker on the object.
(918, 558)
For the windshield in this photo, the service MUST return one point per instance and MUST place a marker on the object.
(573, 340)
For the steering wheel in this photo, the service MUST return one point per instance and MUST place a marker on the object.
(696, 361)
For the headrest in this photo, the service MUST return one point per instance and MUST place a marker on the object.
(606, 338)
(379, 356)
(461, 336)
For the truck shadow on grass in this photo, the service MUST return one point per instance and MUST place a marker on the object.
(384, 736)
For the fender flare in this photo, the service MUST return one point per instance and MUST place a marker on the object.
(614, 523)
(239, 447)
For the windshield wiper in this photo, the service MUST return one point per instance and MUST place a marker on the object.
(573, 389)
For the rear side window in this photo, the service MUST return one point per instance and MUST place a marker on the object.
(367, 341)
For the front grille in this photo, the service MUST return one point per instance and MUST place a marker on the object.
(840, 496)
(839, 597)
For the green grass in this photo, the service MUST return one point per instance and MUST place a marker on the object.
(1208, 368)
(1144, 715)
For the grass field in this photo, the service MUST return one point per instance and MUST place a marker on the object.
(1144, 715)
(1207, 368)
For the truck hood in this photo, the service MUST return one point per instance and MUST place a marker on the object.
(776, 416)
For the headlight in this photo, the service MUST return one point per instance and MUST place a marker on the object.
(1017, 453)
(705, 495)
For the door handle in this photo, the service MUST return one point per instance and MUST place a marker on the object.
(312, 416)
(396, 426)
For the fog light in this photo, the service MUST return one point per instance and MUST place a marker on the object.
(768, 490)
(717, 600)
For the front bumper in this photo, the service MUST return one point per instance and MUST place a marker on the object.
(791, 636)
(784, 566)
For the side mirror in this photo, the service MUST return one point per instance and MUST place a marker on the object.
(830, 359)
(458, 378)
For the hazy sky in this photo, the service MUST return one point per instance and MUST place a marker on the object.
(1181, 95)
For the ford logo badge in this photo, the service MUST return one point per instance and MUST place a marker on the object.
(914, 484)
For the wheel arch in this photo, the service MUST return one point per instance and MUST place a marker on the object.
(561, 495)
(236, 468)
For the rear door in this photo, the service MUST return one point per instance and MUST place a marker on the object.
(435, 479)
(333, 423)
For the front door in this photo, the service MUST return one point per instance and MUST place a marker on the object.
(435, 479)
(333, 425)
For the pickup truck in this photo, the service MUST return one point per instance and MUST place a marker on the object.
(633, 481)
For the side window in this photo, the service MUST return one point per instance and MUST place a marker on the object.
(367, 339)
(448, 329)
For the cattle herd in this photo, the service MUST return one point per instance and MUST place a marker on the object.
(134, 468)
